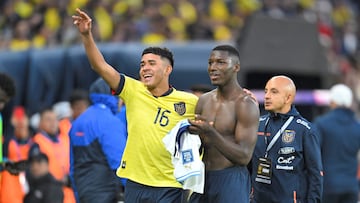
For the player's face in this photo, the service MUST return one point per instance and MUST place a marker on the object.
(275, 96)
(153, 70)
(220, 67)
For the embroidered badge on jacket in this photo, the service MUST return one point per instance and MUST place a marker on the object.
(288, 136)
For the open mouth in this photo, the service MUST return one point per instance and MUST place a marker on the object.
(147, 77)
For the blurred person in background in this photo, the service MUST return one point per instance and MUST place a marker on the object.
(63, 113)
(97, 139)
(7, 91)
(79, 102)
(43, 187)
(57, 148)
(286, 164)
(339, 133)
(200, 89)
(14, 187)
(67, 112)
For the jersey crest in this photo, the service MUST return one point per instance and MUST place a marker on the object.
(180, 108)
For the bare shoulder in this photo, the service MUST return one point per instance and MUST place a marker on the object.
(247, 107)
(246, 99)
(208, 95)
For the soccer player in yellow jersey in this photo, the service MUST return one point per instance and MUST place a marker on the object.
(153, 109)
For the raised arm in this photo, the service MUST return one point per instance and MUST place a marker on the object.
(96, 59)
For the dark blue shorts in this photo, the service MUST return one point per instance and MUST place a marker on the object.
(138, 193)
(228, 185)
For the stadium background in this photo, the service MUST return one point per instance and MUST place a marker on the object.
(313, 41)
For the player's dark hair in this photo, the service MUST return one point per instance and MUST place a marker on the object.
(162, 52)
(7, 84)
(230, 49)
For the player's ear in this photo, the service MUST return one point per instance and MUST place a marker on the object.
(169, 69)
(289, 98)
(237, 67)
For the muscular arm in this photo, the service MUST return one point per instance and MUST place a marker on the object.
(96, 59)
(240, 151)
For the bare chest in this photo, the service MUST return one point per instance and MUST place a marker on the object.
(223, 114)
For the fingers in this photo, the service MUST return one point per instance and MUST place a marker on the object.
(252, 95)
(76, 19)
(199, 117)
(194, 122)
(199, 123)
(78, 10)
(83, 14)
(80, 17)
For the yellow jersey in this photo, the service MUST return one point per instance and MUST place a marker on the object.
(145, 159)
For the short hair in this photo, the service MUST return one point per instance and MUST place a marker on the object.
(7, 84)
(230, 49)
(45, 109)
(162, 52)
(79, 95)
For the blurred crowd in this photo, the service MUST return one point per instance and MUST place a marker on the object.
(28, 24)
(44, 23)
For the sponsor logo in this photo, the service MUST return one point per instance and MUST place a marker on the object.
(79, 134)
(187, 156)
(304, 123)
(288, 136)
(286, 150)
(180, 108)
(288, 160)
(290, 168)
(262, 118)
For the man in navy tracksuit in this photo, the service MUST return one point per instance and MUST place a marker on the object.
(286, 165)
(97, 140)
(339, 132)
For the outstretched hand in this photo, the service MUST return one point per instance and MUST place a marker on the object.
(201, 127)
(82, 21)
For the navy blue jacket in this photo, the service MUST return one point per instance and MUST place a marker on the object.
(339, 133)
(295, 160)
(97, 141)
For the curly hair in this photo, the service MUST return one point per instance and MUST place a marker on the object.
(7, 84)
